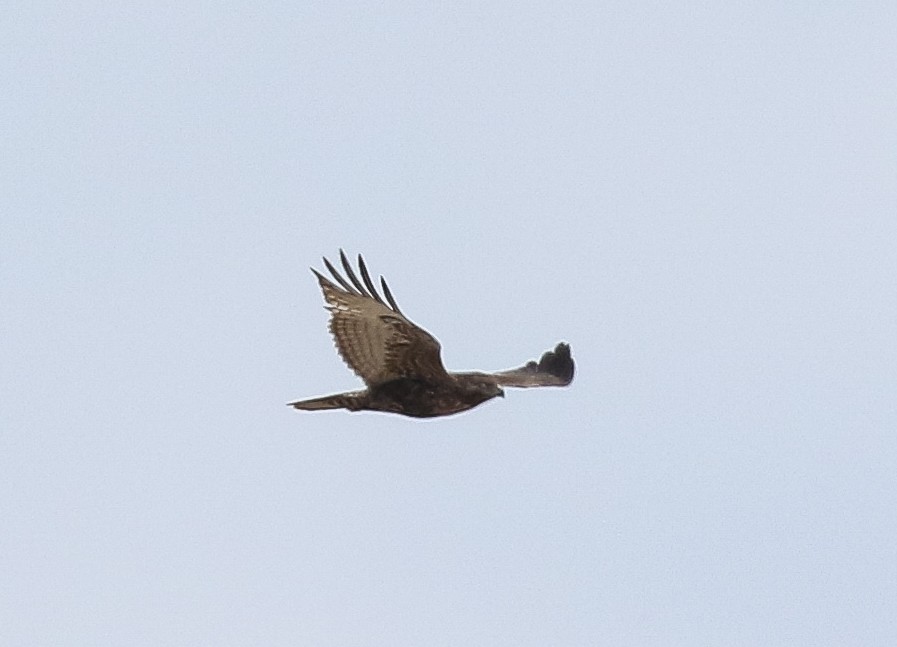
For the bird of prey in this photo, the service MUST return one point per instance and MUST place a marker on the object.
(399, 361)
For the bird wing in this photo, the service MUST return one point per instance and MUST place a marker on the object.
(554, 368)
(372, 335)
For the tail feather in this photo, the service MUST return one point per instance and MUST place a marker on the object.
(352, 400)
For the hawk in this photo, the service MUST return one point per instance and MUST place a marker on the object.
(400, 362)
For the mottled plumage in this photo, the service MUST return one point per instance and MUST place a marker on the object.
(400, 362)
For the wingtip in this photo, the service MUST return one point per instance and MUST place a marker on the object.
(559, 362)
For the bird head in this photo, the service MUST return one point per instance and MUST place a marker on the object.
(483, 388)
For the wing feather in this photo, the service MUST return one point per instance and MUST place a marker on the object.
(554, 368)
(348, 288)
(351, 274)
(375, 339)
(367, 280)
(392, 302)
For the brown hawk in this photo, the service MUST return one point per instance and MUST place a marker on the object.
(399, 361)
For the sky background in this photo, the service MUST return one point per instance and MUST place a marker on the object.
(701, 200)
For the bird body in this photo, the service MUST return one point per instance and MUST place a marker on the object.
(408, 396)
(400, 362)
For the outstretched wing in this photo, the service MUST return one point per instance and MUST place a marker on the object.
(372, 335)
(555, 368)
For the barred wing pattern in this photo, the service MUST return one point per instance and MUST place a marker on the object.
(372, 335)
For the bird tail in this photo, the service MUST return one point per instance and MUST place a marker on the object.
(351, 400)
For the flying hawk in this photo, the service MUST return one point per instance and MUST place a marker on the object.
(399, 361)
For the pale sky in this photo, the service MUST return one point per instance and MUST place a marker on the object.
(700, 199)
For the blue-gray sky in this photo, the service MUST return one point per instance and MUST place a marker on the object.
(701, 199)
